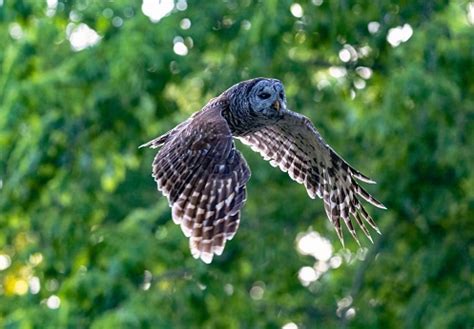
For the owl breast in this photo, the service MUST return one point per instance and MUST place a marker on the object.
(241, 125)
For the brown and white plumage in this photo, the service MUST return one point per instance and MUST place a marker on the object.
(203, 176)
(296, 147)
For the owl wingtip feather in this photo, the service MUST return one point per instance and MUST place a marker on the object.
(381, 206)
(206, 257)
(148, 144)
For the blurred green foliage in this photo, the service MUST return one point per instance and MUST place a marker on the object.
(85, 239)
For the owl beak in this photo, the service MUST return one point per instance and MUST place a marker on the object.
(276, 106)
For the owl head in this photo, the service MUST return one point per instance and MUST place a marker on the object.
(266, 97)
(261, 98)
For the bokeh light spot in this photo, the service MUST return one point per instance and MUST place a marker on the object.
(296, 10)
(290, 325)
(5, 262)
(373, 27)
(312, 243)
(53, 302)
(306, 275)
(81, 36)
(399, 34)
(155, 10)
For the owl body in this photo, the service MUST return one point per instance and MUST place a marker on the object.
(204, 176)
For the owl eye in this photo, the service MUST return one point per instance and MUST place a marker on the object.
(264, 95)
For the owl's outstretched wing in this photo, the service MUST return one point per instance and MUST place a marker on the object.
(294, 145)
(203, 176)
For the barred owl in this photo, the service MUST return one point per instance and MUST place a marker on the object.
(203, 175)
